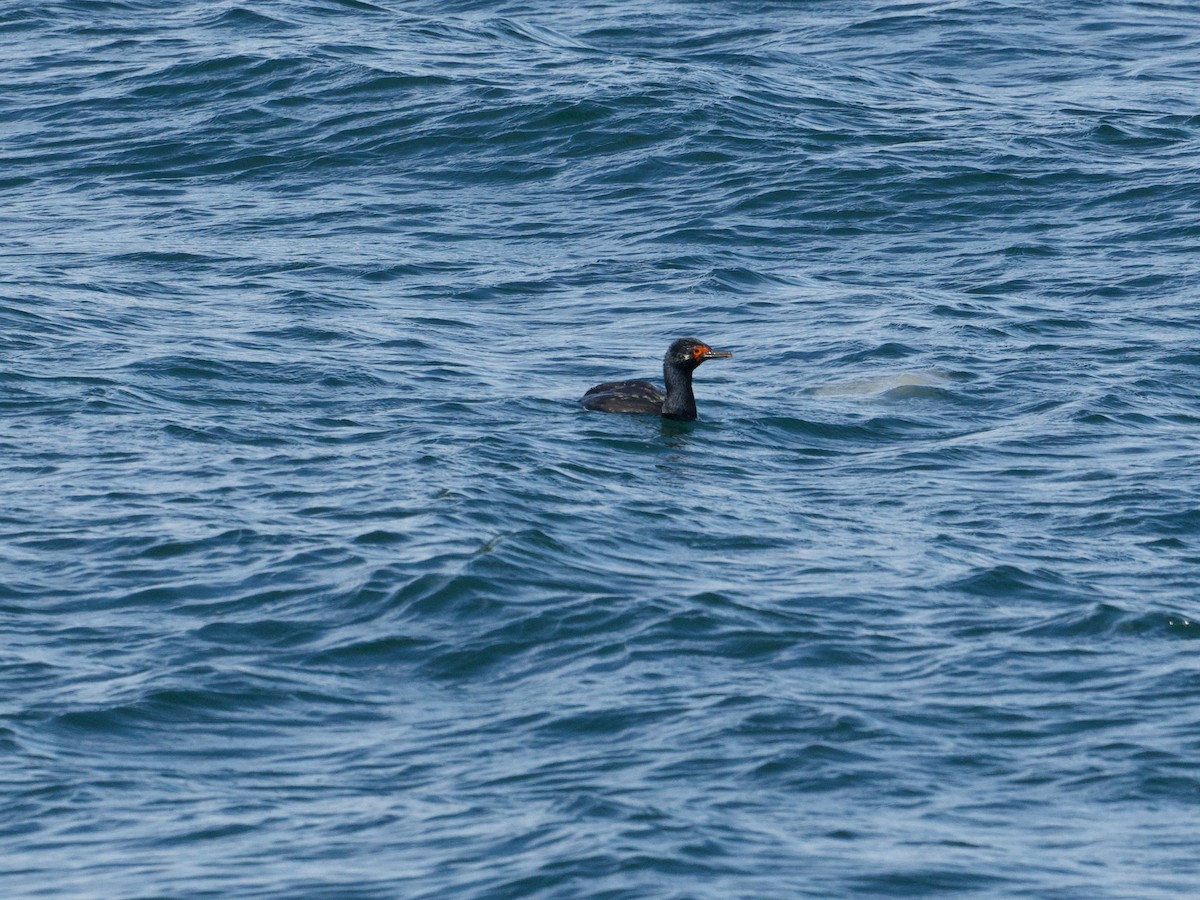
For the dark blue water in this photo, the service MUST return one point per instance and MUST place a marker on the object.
(316, 582)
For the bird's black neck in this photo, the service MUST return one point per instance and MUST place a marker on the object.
(680, 402)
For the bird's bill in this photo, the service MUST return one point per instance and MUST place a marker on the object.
(703, 352)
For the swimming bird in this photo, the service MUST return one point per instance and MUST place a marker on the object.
(678, 402)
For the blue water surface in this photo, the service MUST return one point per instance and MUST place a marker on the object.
(315, 580)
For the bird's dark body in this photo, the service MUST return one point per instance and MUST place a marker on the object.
(625, 397)
(676, 402)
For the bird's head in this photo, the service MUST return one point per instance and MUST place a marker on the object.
(687, 353)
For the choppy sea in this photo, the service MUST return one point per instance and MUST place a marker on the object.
(316, 581)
